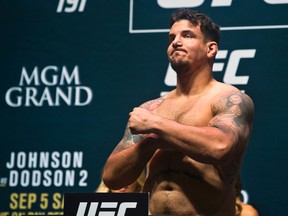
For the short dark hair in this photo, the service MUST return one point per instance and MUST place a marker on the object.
(210, 30)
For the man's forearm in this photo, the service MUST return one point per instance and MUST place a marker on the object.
(124, 167)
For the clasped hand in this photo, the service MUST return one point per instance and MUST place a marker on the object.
(141, 121)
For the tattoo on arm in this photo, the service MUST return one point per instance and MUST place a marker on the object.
(126, 141)
(130, 139)
(232, 112)
(233, 115)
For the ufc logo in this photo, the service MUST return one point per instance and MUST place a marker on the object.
(197, 3)
(230, 73)
(119, 211)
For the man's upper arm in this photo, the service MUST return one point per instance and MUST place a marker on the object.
(127, 140)
(233, 115)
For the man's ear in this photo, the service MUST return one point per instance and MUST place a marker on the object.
(212, 49)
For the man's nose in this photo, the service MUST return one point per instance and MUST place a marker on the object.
(176, 43)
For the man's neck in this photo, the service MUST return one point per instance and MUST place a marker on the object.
(194, 83)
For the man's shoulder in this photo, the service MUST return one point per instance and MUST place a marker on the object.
(225, 91)
(230, 100)
(224, 87)
(152, 104)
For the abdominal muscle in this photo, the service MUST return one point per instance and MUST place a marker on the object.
(168, 199)
(177, 190)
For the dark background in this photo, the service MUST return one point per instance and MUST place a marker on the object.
(124, 64)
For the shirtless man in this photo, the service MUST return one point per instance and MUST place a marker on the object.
(192, 140)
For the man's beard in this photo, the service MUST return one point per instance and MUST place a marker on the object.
(179, 66)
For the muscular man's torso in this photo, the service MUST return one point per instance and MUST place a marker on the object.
(179, 185)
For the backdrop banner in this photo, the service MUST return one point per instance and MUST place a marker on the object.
(72, 70)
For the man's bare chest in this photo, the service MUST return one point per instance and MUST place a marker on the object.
(194, 112)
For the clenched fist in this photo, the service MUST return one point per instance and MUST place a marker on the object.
(141, 121)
